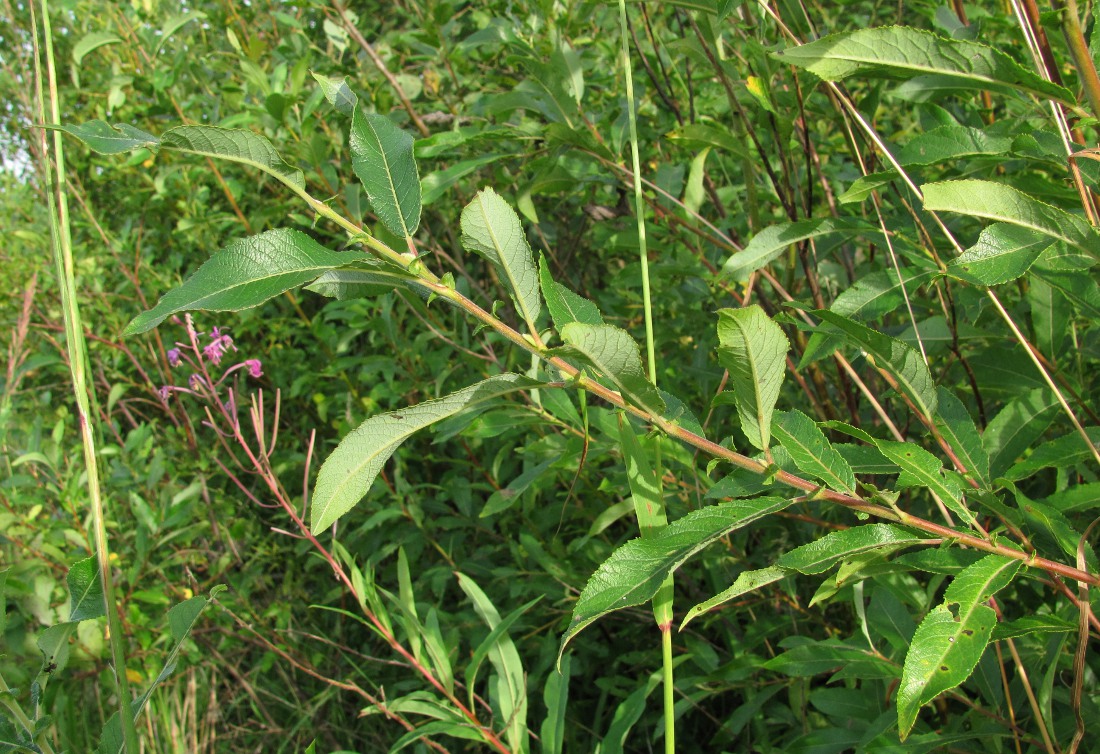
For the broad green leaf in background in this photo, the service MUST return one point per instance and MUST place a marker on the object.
(348, 283)
(902, 52)
(950, 143)
(774, 240)
(753, 348)
(90, 42)
(382, 158)
(1016, 427)
(491, 228)
(822, 554)
(812, 452)
(957, 427)
(997, 201)
(246, 273)
(922, 469)
(564, 305)
(348, 473)
(951, 638)
(894, 357)
(85, 591)
(637, 569)
(1003, 252)
(511, 682)
(1063, 452)
(746, 582)
(614, 354)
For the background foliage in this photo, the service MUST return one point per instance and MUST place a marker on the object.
(761, 188)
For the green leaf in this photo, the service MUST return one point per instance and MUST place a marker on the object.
(923, 469)
(747, 581)
(1068, 450)
(957, 427)
(555, 696)
(812, 452)
(822, 554)
(174, 24)
(1003, 252)
(614, 354)
(564, 305)
(753, 349)
(492, 228)
(350, 283)
(1017, 426)
(637, 569)
(234, 144)
(774, 240)
(103, 138)
(382, 157)
(996, 201)
(902, 52)
(511, 682)
(814, 657)
(646, 489)
(348, 473)
(506, 497)
(90, 42)
(897, 359)
(950, 143)
(337, 92)
(85, 591)
(950, 640)
(246, 273)
(1032, 624)
(435, 184)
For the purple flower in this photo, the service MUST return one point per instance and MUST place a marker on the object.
(216, 348)
(164, 391)
(174, 357)
(195, 381)
(254, 368)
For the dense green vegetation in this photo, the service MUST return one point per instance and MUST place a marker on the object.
(456, 367)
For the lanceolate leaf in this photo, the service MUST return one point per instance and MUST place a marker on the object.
(1003, 252)
(822, 554)
(104, 138)
(902, 52)
(234, 144)
(950, 640)
(812, 452)
(996, 201)
(246, 273)
(637, 569)
(348, 473)
(957, 427)
(949, 143)
(614, 354)
(564, 305)
(900, 360)
(338, 93)
(921, 468)
(492, 228)
(746, 582)
(360, 283)
(773, 241)
(382, 157)
(753, 348)
(85, 591)
(1016, 427)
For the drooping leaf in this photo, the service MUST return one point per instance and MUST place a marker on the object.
(950, 143)
(822, 554)
(349, 283)
(903, 52)
(104, 138)
(645, 486)
(957, 427)
(747, 581)
(382, 158)
(614, 354)
(897, 359)
(491, 228)
(246, 273)
(1003, 252)
(338, 93)
(174, 24)
(564, 305)
(637, 569)
(753, 348)
(234, 144)
(951, 638)
(85, 591)
(1016, 427)
(812, 452)
(348, 473)
(997, 201)
(555, 696)
(90, 42)
(921, 468)
(774, 240)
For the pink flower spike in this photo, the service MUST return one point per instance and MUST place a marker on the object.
(213, 351)
(174, 357)
(254, 368)
(215, 334)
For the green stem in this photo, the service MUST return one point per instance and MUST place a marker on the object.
(22, 719)
(669, 687)
(78, 355)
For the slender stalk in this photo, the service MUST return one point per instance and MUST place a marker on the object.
(76, 346)
(22, 719)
